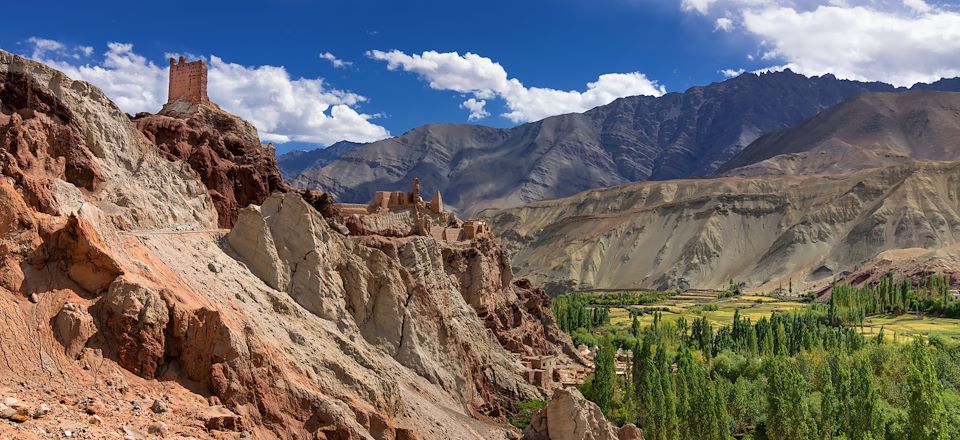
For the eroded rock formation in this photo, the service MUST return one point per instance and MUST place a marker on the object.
(122, 299)
(569, 416)
(222, 148)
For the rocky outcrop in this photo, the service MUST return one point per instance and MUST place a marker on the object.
(73, 327)
(399, 300)
(62, 136)
(569, 416)
(517, 312)
(762, 231)
(222, 148)
(123, 301)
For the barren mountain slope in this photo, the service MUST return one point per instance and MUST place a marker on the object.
(631, 139)
(867, 131)
(127, 312)
(297, 161)
(702, 233)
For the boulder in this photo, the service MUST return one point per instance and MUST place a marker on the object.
(570, 416)
(73, 326)
(629, 432)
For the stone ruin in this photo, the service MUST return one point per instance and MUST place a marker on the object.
(188, 81)
(541, 371)
(406, 213)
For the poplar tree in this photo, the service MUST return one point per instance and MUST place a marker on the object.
(603, 387)
(866, 419)
(787, 415)
(926, 413)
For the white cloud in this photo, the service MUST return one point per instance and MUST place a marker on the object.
(730, 73)
(918, 5)
(282, 108)
(336, 62)
(132, 82)
(42, 46)
(897, 41)
(861, 43)
(477, 108)
(485, 79)
(701, 6)
(723, 24)
(286, 109)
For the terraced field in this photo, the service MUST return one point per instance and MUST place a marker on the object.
(898, 328)
(902, 328)
(700, 303)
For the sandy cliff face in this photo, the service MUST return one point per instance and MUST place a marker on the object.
(127, 312)
(764, 231)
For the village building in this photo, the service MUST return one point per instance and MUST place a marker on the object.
(406, 213)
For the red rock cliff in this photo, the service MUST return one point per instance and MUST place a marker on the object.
(225, 150)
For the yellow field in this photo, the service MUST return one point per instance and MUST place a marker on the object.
(691, 305)
(903, 328)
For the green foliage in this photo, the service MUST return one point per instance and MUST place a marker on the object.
(788, 416)
(801, 374)
(524, 411)
(603, 388)
(850, 305)
(927, 414)
(574, 311)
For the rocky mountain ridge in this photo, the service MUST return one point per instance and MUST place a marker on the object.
(870, 130)
(764, 231)
(677, 135)
(295, 162)
(130, 311)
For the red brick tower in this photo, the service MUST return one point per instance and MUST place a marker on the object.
(188, 81)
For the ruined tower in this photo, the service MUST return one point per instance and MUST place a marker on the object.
(188, 80)
(415, 193)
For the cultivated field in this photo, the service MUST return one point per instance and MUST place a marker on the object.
(903, 328)
(719, 311)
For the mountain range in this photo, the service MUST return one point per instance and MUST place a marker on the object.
(638, 138)
(867, 131)
(866, 187)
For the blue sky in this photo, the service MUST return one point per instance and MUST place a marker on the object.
(393, 65)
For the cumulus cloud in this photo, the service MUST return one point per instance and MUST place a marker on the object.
(282, 108)
(477, 107)
(484, 79)
(918, 5)
(701, 6)
(897, 41)
(730, 73)
(723, 24)
(861, 43)
(42, 47)
(287, 109)
(336, 62)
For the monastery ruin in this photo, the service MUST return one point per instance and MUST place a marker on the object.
(188, 81)
(402, 213)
